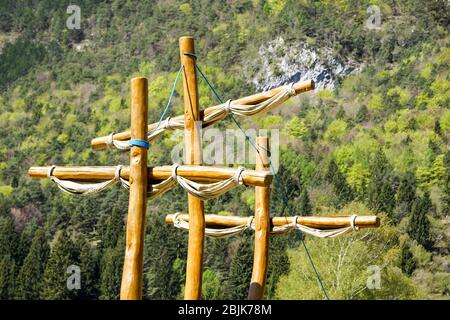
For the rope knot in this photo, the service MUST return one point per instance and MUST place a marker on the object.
(50, 171)
(238, 175)
(109, 140)
(352, 222)
(290, 90)
(117, 172)
(167, 124)
(174, 171)
(227, 106)
(294, 222)
(250, 221)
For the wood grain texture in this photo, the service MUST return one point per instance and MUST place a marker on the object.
(154, 174)
(300, 87)
(262, 225)
(319, 222)
(193, 155)
(132, 277)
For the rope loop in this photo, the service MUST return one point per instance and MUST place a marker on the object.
(50, 171)
(291, 90)
(117, 172)
(109, 140)
(139, 143)
(250, 221)
(352, 222)
(227, 106)
(174, 170)
(237, 176)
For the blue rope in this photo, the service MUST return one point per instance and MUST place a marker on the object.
(277, 179)
(166, 108)
(139, 143)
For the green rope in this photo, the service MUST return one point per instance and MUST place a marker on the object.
(166, 108)
(277, 179)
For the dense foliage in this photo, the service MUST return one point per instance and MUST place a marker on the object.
(377, 144)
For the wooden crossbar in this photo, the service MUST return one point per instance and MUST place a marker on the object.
(300, 87)
(155, 174)
(318, 222)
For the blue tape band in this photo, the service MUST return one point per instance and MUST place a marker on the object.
(139, 143)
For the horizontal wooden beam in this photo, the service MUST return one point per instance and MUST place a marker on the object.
(155, 174)
(300, 87)
(318, 222)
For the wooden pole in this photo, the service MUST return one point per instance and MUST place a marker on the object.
(193, 154)
(318, 222)
(300, 87)
(132, 277)
(155, 174)
(262, 225)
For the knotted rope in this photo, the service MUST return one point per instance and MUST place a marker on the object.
(207, 191)
(327, 233)
(214, 233)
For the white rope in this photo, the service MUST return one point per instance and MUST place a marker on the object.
(218, 114)
(119, 144)
(206, 191)
(72, 187)
(327, 233)
(155, 189)
(214, 233)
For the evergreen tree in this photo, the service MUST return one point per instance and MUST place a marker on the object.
(362, 114)
(29, 280)
(8, 237)
(406, 194)
(419, 225)
(111, 271)
(7, 277)
(408, 263)
(304, 206)
(343, 191)
(25, 241)
(380, 192)
(446, 185)
(239, 276)
(88, 263)
(113, 230)
(55, 274)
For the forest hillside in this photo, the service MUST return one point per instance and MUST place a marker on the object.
(372, 139)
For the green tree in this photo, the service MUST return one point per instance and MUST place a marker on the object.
(8, 237)
(89, 267)
(408, 262)
(7, 277)
(343, 191)
(381, 196)
(236, 286)
(111, 271)
(419, 225)
(55, 274)
(362, 115)
(29, 280)
(304, 204)
(406, 194)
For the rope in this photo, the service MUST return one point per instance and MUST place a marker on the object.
(329, 233)
(283, 191)
(209, 190)
(71, 187)
(214, 233)
(124, 144)
(138, 143)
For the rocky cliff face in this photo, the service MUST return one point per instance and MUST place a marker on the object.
(282, 63)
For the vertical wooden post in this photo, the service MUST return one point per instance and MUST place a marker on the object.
(131, 288)
(193, 154)
(262, 225)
